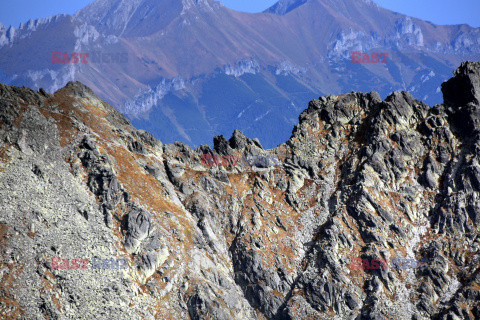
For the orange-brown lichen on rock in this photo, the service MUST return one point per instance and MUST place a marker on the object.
(359, 178)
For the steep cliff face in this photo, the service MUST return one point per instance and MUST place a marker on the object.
(370, 212)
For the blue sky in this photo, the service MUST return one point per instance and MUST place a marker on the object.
(12, 12)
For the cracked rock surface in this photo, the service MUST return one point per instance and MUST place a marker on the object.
(360, 179)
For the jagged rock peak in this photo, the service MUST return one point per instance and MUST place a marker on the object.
(137, 17)
(239, 142)
(462, 96)
(192, 3)
(285, 6)
(78, 88)
(464, 87)
(32, 25)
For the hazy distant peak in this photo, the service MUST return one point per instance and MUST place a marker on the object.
(191, 3)
(137, 17)
(285, 6)
(32, 25)
(113, 14)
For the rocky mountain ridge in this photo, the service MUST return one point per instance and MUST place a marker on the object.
(179, 53)
(360, 178)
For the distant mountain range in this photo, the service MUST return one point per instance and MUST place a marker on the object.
(188, 70)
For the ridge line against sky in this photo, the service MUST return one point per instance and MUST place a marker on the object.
(435, 11)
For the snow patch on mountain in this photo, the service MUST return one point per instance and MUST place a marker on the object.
(242, 67)
(147, 98)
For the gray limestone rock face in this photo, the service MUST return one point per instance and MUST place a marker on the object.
(369, 211)
(138, 227)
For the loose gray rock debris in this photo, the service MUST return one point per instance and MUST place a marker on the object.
(295, 232)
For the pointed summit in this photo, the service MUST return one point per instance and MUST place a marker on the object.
(131, 17)
(136, 17)
(283, 7)
(346, 8)
(187, 4)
